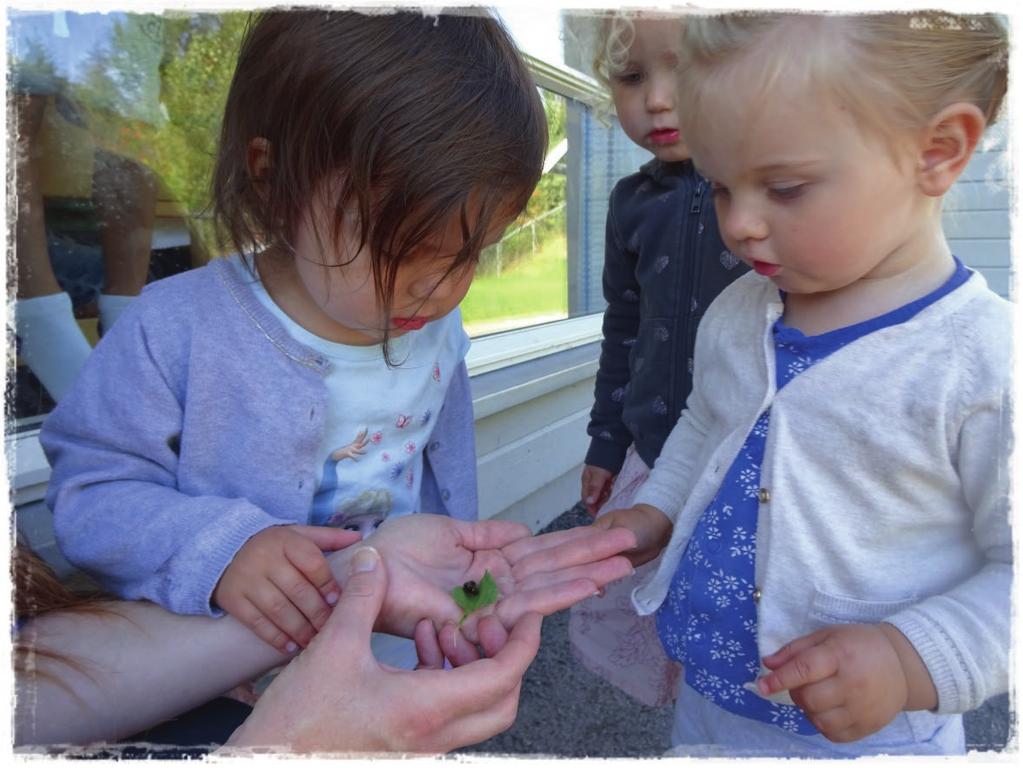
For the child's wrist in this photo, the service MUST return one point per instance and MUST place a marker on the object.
(920, 690)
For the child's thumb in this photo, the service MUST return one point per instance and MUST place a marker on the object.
(361, 598)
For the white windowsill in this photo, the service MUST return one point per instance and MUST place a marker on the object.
(500, 350)
(487, 354)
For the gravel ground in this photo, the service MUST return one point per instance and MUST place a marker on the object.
(567, 711)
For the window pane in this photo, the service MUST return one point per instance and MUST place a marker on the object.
(523, 279)
(549, 264)
(117, 119)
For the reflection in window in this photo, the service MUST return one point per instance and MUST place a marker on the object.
(117, 117)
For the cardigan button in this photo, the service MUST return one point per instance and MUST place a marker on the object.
(763, 495)
(445, 494)
(756, 595)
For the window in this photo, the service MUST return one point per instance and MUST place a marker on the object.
(117, 116)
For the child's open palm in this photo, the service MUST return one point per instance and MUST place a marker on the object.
(279, 584)
(851, 680)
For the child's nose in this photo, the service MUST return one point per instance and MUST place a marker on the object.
(428, 288)
(660, 95)
(742, 223)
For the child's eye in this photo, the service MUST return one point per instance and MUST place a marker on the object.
(629, 78)
(789, 192)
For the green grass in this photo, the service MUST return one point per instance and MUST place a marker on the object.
(536, 287)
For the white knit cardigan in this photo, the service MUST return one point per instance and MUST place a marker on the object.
(886, 468)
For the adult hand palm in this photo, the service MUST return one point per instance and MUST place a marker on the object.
(428, 555)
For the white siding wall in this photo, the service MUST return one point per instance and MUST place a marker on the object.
(977, 213)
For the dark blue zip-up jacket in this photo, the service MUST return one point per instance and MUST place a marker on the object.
(664, 264)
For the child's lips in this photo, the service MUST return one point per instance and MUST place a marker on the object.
(664, 136)
(765, 268)
(410, 323)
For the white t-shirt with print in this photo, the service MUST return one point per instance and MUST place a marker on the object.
(379, 419)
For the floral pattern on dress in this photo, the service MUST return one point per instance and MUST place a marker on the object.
(708, 620)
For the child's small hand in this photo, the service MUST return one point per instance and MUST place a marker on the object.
(279, 584)
(596, 487)
(851, 680)
(651, 526)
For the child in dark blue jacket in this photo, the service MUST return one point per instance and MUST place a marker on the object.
(664, 264)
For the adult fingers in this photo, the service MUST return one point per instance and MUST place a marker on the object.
(456, 647)
(492, 635)
(352, 620)
(459, 650)
(428, 648)
(808, 666)
(590, 546)
(520, 650)
(481, 699)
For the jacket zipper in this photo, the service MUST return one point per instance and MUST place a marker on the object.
(688, 240)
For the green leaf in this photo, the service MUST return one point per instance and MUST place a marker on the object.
(487, 594)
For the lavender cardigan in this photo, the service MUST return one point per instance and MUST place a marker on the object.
(194, 425)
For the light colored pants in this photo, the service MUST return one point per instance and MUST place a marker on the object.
(702, 729)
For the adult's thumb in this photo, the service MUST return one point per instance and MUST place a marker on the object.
(361, 597)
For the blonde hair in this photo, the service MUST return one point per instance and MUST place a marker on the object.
(892, 71)
(615, 34)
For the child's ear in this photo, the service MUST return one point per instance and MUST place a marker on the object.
(258, 160)
(946, 147)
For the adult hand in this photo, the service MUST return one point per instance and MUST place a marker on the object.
(851, 680)
(335, 697)
(428, 555)
(596, 487)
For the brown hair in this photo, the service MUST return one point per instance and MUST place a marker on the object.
(895, 71)
(38, 591)
(421, 118)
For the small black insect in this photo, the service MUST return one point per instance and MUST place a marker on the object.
(471, 588)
